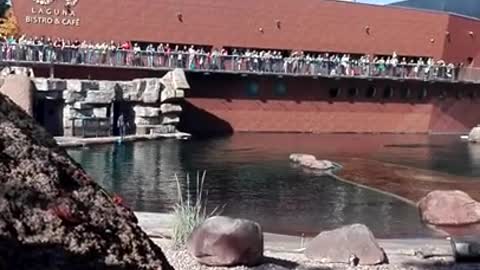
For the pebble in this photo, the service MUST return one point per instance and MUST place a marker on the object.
(182, 260)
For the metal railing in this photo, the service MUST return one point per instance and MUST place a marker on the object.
(91, 127)
(216, 62)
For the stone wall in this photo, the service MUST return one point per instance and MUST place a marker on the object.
(153, 102)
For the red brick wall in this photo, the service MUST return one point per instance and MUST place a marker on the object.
(305, 24)
(222, 104)
(461, 44)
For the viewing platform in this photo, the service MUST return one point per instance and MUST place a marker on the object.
(52, 59)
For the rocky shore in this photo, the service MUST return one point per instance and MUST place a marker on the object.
(285, 253)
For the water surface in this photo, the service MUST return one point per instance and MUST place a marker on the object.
(251, 177)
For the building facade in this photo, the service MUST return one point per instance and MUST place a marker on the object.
(224, 103)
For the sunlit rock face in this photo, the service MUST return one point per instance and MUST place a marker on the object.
(52, 215)
(449, 208)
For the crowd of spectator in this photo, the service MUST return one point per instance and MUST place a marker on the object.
(44, 49)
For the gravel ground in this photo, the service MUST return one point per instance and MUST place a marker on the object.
(182, 260)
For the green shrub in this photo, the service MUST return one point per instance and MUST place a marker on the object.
(189, 214)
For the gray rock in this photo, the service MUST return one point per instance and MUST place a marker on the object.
(129, 91)
(298, 158)
(167, 81)
(142, 111)
(74, 85)
(165, 129)
(151, 93)
(311, 162)
(82, 106)
(106, 85)
(223, 241)
(57, 85)
(69, 112)
(170, 119)
(44, 84)
(147, 121)
(71, 96)
(100, 112)
(171, 94)
(339, 245)
(170, 108)
(179, 80)
(100, 97)
(89, 85)
(449, 208)
(41, 84)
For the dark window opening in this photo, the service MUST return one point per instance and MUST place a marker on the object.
(334, 92)
(472, 95)
(388, 92)
(252, 89)
(422, 94)
(371, 91)
(280, 89)
(459, 94)
(405, 93)
(443, 94)
(353, 92)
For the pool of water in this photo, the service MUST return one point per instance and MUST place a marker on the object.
(249, 175)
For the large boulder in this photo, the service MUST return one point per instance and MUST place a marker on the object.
(474, 135)
(343, 244)
(52, 215)
(449, 208)
(20, 89)
(224, 241)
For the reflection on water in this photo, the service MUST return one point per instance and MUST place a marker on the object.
(250, 174)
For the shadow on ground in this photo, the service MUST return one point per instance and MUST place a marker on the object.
(21, 256)
(270, 263)
(440, 265)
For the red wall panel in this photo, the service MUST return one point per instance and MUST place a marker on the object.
(319, 25)
(308, 107)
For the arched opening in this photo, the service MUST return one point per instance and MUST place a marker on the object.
(472, 95)
(334, 92)
(280, 88)
(422, 93)
(405, 93)
(443, 94)
(459, 94)
(387, 92)
(353, 92)
(371, 91)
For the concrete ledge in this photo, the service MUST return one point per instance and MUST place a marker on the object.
(158, 226)
(79, 142)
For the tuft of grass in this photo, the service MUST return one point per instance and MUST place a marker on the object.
(188, 213)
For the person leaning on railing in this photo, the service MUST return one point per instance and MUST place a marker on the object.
(297, 62)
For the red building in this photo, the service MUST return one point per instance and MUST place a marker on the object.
(222, 102)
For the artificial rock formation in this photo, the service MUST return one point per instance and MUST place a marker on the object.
(343, 244)
(20, 89)
(223, 241)
(474, 135)
(153, 102)
(447, 208)
(311, 162)
(52, 215)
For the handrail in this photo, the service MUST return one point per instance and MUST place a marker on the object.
(216, 62)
